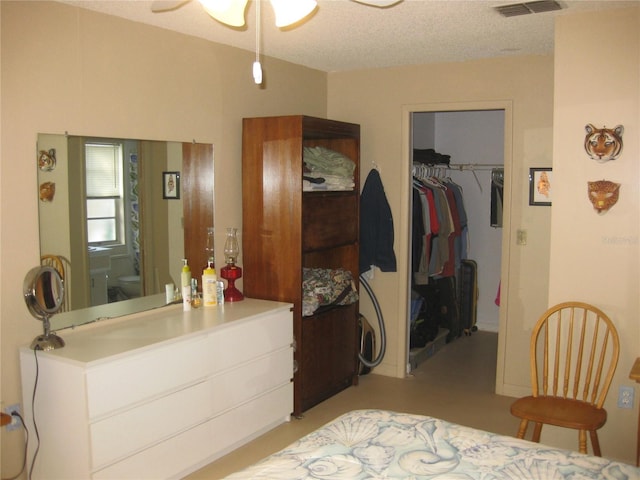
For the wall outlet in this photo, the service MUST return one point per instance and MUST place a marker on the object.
(15, 421)
(625, 397)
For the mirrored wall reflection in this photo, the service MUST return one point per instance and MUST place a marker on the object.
(108, 219)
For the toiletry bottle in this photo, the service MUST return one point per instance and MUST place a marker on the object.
(185, 283)
(196, 299)
(209, 287)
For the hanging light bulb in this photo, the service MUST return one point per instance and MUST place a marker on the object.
(289, 12)
(257, 68)
(257, 72)
(229, 12)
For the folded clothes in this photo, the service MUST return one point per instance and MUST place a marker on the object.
(429, 156)
(318, 181)
(327, 161)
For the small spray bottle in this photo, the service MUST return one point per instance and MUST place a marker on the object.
(185, 283)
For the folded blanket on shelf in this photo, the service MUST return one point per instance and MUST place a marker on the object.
(324, 287)
(333, 167)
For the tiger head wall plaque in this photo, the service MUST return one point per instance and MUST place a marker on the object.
(603, 144)
(47, 191)
(603, 195)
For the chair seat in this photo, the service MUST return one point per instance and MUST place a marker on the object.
(561, 412)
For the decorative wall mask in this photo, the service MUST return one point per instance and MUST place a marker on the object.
(47, 191)
(603, 144)
(603, 195)
(47, 160)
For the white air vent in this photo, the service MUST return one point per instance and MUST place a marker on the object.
(527, 8)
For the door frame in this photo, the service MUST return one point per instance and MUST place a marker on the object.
(404, 308)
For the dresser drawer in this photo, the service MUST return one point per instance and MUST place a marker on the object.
(206, 442)
(119, 436)
(250, 340)
(149, 374)
(188, 407)
(141, 376)
(249, 380)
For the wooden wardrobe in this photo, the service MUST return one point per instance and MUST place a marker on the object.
(286, 230)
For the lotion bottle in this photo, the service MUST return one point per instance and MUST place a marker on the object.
(209, 287)
(185, 283)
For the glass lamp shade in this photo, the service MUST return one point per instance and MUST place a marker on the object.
(289, 12)
(231, 247)
(210, 247)
(229, 12)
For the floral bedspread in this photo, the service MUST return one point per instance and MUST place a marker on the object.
(375, 444)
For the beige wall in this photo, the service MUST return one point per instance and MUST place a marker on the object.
(595, 258)
(381, 101)
(62, 64)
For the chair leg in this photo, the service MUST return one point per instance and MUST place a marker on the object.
(582, 441)
(595, 443)
(522, 430)
(536, 432)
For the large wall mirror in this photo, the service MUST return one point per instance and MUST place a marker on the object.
(116, 218)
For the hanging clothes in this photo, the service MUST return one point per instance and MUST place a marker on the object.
(376, 227)
(497, 187)
(439, 235)
(440, 227)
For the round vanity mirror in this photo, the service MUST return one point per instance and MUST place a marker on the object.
(44, 294)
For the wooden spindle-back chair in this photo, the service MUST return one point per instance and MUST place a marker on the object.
(574, 352)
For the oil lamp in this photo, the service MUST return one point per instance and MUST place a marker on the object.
(231, 272)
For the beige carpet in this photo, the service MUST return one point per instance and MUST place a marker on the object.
(456, 384)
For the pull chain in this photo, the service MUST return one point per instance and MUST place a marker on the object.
(257, 68)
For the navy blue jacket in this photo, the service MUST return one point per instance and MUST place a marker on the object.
(376, 227)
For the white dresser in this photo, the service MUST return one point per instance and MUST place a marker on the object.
(161, 394)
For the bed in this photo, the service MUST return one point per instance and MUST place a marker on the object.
(377, 444)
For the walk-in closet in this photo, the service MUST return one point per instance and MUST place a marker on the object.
(456, 241)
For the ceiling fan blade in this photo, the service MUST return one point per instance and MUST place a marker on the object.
(160, 6)
(378, 3)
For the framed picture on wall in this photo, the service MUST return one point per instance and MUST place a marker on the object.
(171, 185)
(540, 186)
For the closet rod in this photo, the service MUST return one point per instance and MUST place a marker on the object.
(464, 166)
(471, 166)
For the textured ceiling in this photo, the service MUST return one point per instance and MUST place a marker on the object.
(345, 35)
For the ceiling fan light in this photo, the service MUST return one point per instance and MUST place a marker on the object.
(229, 12)
(289, 12)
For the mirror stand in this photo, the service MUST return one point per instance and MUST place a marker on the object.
(47, 341)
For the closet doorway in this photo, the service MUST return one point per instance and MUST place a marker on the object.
(474, 153)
